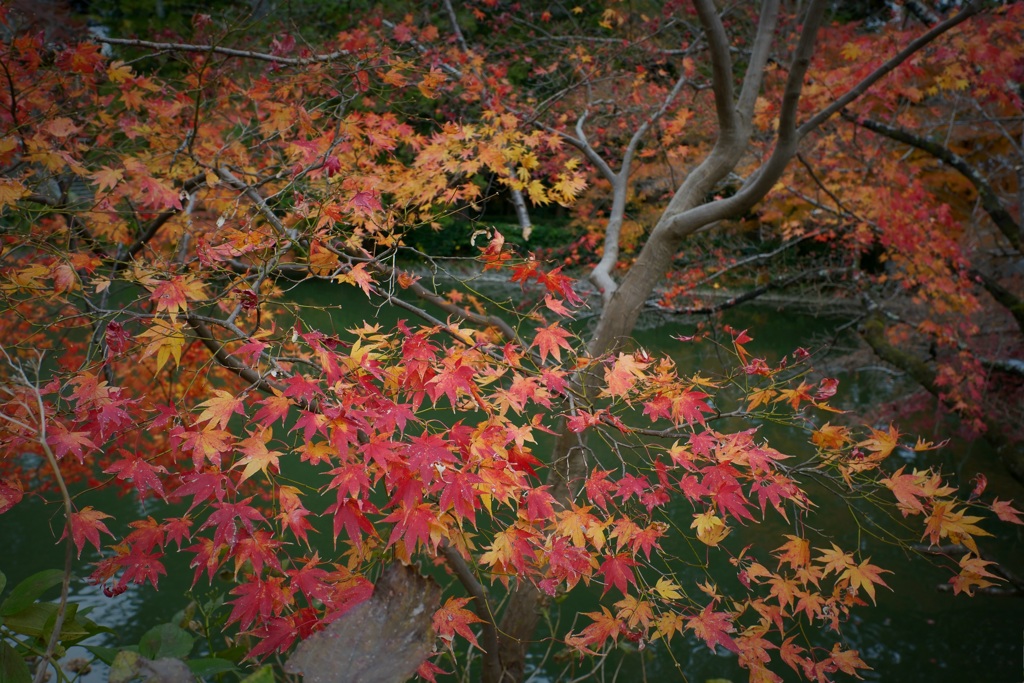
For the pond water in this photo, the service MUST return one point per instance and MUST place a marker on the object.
(916, 633)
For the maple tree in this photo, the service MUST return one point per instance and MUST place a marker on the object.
(158, 212)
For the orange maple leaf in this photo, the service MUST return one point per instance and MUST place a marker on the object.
(865, 575)
(551, 339)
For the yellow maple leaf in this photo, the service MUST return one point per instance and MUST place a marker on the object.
(882, 442)
(11, 191)
(945, 522)
(864, 576)
(711, 530)
(668, 589)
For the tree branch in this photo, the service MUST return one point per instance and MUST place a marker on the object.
(227, 51)
(481, 605)
(989, 200)
(853, 93)
(721, 66)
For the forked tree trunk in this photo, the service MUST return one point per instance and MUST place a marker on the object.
(686, 214)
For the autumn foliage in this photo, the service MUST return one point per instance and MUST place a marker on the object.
(159, 212)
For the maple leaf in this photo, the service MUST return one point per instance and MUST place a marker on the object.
(220, 408)
(617, 572)
(635, 612)
(622, 376)
(830, 437)
(539, 504)
(667, 624)
(865, 575)
(140, 472)
(847, 661)
(1005, 511)
(63, 441)
(881, 442)
(107, 178)
(350, 514)
(86, 526)
(836, 560)
(668, 589)
(789, 652)
(226, 518)
(413, 525)
(293, 514)
(202, 485)
(11, 493)
(796, 552)
(690, 407)
(551, 340)
(605, 625)
(906, 488)
(556, 306)
(358, 276)
(714, 629)
(452, 618)
(944, 522)
(711, 530)
(273, 408)
(256, 457)
(273, 635)
(973, 574)
(207, 444)
(259, 598)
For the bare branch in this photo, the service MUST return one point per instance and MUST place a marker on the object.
(762, 181)
(227, 51)
(258, 200)
(455, 25)
(758, 58)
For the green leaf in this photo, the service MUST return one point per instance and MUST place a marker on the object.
(166, 640)
(12, 667)
(29, 590)
(3, 581)
(265, 674)
(210, 666)
(38, 619)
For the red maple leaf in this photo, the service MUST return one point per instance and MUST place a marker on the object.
(311, 580)
(350, 515)
(460, 493)
(599, 488)
(605, 626)
(453, 378)
(539, 504)
(63, 441)
(259, 598)
(617, 572)
(202, 485)
(273, 408)
(551, 340)
(714, 629)
(275, 635)
(690, 406)
(142, 474)
(293, 514)
(86, 526)
(412, 524)
(226, 519)
(453, 618)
